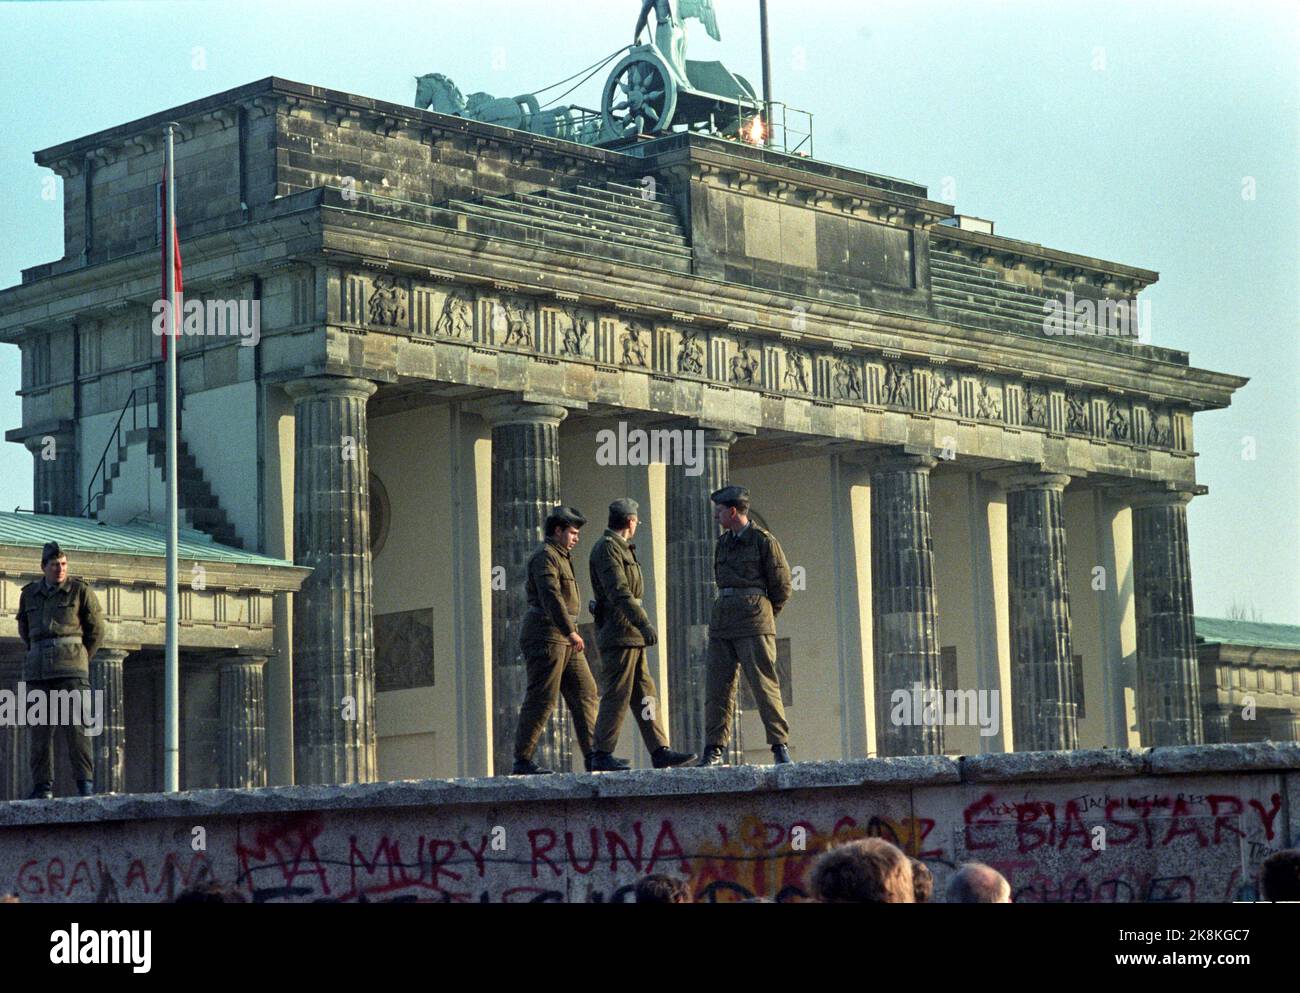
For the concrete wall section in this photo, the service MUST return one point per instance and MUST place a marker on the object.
(1180, 825)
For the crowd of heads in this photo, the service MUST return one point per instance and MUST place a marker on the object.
(872, 870)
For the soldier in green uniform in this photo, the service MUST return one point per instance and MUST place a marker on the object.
(60, 622)
(624, 632)
(753, 585)
(551, 645)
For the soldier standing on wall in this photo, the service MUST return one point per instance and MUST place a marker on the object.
(60, 622)
(753, 585)
(551, 645)
(624, 632)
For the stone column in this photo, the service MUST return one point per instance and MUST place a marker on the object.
(691, 538)
(1218, 723)
(525, 488)
(15, 763)
(241, 754)
(903, 604)
(333, 635)
(54, 477)
(110, 747)
(1042, 676)
(1285, 727)
(1169, 705)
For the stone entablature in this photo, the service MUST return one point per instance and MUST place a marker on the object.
(501, 319)
(220, 605)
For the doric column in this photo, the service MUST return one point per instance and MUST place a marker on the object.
(1169, 705)
(15, 765)
(691, 538)
(54, 476)
(333, 636)
(241, 754)
(525, 488)
(110, 747)
(1042, 677)
(1285, 726)
(903, 605)
(1218, 723)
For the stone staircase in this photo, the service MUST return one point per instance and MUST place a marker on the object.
(199, 506)
(196, 497)
(972, 291)
(609, 220)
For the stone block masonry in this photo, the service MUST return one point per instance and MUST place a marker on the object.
(1184, 824)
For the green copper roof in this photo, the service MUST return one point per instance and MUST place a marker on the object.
(81, 534)
(1255, 634)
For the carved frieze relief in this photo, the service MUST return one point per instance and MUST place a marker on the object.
(799, 366)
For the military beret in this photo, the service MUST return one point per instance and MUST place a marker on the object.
(568, 516)
(50, 551)
(625, 507)
(731, 496)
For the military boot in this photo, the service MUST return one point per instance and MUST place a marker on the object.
(605, 762)
(527, 767)
(780, 754)
(664, 757)
(86, 787)
(712, 756)
(43, 791)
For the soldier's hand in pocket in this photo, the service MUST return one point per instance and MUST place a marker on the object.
(650, 635)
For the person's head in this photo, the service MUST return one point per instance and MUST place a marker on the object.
(658, 888)
(1279, 876)
(922, 881)
(54, 563)
(210, 891)
(730, 507)
(975, 882)
(563, 525)
(623, 517)
(869, 870)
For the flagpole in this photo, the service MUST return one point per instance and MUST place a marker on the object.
(766, 45)
(171, 671)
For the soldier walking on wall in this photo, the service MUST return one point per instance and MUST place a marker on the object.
(624, 632)
(753, 581)
(552, 648)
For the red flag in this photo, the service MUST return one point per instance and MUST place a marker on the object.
(176, 264)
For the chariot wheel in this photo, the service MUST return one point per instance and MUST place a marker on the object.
(640, 96)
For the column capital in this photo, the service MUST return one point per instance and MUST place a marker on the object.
(718, 437)
(35, 443)
(240, 658)
(326, 386)
(513, 410)
(1159, 498)
(1014, 482)
(115, 653)
(901, 460)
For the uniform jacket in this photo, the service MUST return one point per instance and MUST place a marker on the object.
(618, 586)
(753, 558)
(62, 627)
(552, 592)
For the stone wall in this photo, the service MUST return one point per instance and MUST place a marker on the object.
(1176, 825)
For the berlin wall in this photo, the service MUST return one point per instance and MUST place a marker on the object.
(1184, 824)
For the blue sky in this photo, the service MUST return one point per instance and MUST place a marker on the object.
(1125, 131)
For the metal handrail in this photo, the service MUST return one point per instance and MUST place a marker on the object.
(148, 396)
